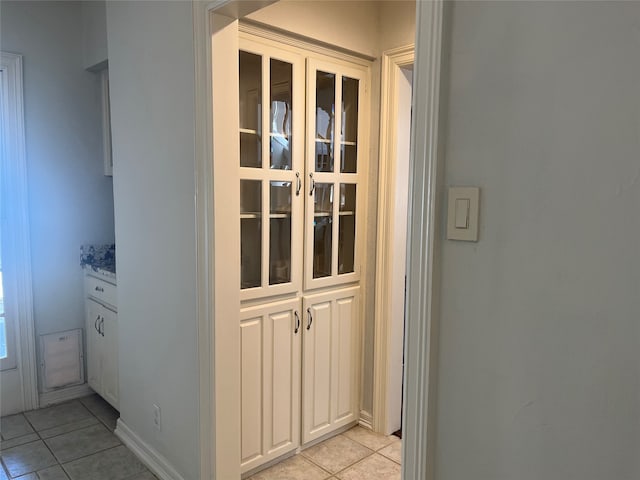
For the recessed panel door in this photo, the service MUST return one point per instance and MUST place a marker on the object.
(330, 364)
(270, 384)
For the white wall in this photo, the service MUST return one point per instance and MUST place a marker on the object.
(94, 32)
(539, 371)
(151, 67)
(70, 200)
(327, 21)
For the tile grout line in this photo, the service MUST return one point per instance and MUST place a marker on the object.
(43, 440)
(373, 452)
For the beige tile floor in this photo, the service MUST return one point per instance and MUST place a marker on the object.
(358, 454)
(73, 440)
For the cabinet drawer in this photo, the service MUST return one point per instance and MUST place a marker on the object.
(101, 290)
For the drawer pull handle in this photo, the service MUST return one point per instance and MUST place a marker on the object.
(99, 289)
(298, 184)
(310, 320)
(297, 322)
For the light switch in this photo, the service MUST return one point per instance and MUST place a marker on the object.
(462, 213)
(462, 221)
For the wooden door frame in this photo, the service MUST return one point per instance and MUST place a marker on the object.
(218, 295)
(392, 62)
(16, 246)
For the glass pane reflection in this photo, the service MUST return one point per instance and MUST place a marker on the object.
(325, 113)
(280, 233)
(281, 114)
(250, 74)
(322, 229)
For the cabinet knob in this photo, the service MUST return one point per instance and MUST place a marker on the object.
(99, 289)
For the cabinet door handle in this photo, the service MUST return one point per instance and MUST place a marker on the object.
(309, 318)
(99, 289)
(102, 327)
(95, 324)
(312, 186)
(297, 322)
(298, 184)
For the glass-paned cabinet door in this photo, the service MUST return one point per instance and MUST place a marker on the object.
(336, 125)
(271, 163)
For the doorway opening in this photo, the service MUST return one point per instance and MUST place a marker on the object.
(226, 338)
(391, 255)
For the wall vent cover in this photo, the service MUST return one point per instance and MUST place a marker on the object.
(62, 360)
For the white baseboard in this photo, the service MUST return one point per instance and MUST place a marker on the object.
(64, 394)
(158, 465)
(366, 420)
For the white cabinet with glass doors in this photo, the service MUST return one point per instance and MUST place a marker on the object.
(302, 165)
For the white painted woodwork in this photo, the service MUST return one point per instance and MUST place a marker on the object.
(110, 357)
(101, 330)
(20, 388)
(269, 50)
(270, 338)
(273, 420)
(93, 355)
(340, 69)
(421, 331)
(395, 126)
(330, 362)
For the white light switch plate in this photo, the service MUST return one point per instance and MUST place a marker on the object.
(462, 220)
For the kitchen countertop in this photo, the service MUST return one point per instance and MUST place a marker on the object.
(99, 260)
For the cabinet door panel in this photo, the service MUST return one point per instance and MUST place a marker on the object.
(337, 107)
(345, 360)
(285, 366)
(93, 346)
(317, 368)
(251, 388)
(270, 352)
(109, 352)
(272, 105)
(330, 362)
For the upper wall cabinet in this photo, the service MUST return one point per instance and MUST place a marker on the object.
(301, 209)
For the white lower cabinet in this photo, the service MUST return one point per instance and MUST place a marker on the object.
(297, 353)
(270, 337)
(102, 343)
(330, 362)
(102, 351)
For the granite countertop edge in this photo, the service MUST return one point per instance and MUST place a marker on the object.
(99, 260)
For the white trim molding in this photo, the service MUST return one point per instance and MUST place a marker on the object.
(392, 61)
(421, 332)
(366, 420)
(159, 465)
(16, 251)
(64, 394)
(204, 234)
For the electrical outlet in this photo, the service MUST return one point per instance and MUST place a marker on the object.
(157, 420)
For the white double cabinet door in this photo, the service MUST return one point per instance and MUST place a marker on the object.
(300, 372)
(302, 194)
